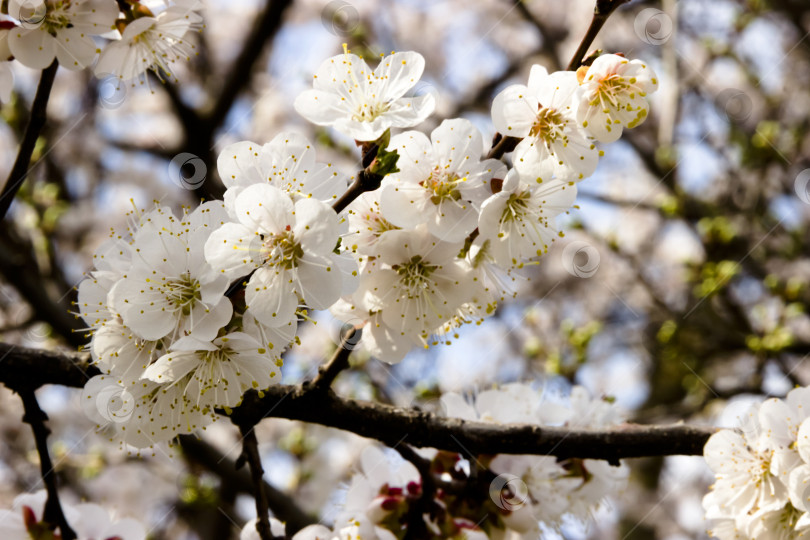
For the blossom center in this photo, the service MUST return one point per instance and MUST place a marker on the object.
(182, 292)
(415, 273)
(443, 186)
(549, 125)
(609, 89)
(283, 250)
(55, 17)
(368, 112)
(516, 206)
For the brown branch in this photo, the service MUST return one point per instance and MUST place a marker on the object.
(416, 527)
(19, 171)
(31, 367)
(36, 417)
(22, 368)
(501, 145)
(279, 502)
(251, 456)
(365, 181)
(239, 76)
(328, 372)
(391, 424)
(601, 12)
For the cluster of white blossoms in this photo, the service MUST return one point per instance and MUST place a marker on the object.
(89, 521)
(762, 473)
(122, 42)
(173, 346)
(188, 313)
(436, 245)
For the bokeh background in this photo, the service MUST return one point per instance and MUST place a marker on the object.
(680, 288)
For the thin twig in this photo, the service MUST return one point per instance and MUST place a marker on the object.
(281, 504)
(35, 123)
(601, 12)
(501, 145)
(365, 181)
(328, 372)
(36, 417)
(416, 527)
(250, 454)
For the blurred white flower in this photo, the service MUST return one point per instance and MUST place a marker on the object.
(88, 521)
(249, 531)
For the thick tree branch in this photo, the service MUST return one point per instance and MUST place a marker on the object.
(390, 425)
(22, 366)
(19, 171)
(36, 417)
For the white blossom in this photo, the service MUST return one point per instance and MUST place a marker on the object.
(362, 103)
(170, 289)
(153, 42)
(216, 373)
(517, 224)
(441, 181)
(287, 162)
(612, 97)
(64, 31)
(543, 114)
(419, 284)
(287, 248)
